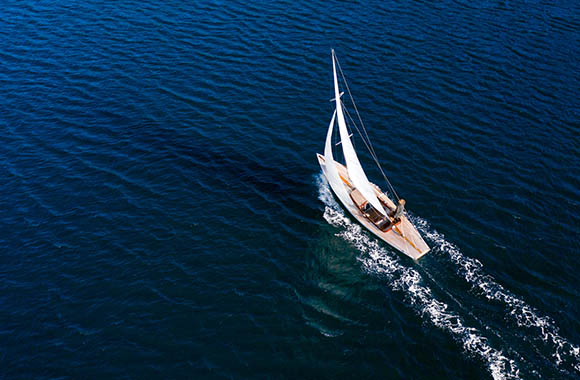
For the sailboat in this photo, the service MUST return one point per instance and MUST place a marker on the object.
(364, 200)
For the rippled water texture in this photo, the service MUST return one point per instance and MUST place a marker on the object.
(164, 214)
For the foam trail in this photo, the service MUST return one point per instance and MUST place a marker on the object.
(407, 280)
(524, 314)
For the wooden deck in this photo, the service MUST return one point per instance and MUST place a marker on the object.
(404, 236)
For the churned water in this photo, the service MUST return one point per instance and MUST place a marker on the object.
(164, 214)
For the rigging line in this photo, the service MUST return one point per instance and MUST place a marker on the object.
(371, 152)
(353, 103)
(358, 130)
(369, 146)
(366, 141)
(374, 156)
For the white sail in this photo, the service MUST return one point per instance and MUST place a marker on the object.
(331, 171)
(355, 170)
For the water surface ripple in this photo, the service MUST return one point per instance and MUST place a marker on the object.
(164, 215)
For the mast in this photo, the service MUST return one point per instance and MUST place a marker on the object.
(354, 168)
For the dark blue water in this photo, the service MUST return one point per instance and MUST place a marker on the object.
(164, 216)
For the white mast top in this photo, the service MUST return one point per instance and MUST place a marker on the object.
(355, 170)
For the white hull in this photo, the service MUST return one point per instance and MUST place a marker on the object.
(404, 236)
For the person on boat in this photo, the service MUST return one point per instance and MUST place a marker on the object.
(399, 210)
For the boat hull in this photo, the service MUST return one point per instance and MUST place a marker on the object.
(404, 236)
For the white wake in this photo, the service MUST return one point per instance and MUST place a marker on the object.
(524, 315)
(378, 260)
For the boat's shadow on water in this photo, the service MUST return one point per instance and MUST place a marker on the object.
(282, 184)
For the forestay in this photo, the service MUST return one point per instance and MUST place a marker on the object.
(354, 168)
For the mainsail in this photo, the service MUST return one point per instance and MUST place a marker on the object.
(355, 170)
(331, 171)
